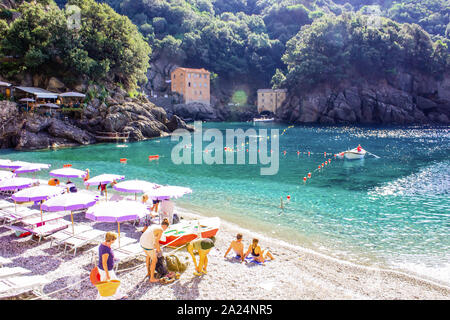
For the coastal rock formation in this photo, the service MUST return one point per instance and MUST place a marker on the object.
(140, 118)
(402, 99)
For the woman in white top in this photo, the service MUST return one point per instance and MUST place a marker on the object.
(150, 243)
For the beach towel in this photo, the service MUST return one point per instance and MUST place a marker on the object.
(252, 260)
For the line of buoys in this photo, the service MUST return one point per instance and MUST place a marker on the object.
(153, 157)
(123, 160)
(67, 166)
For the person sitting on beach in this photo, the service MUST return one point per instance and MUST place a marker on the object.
(149, 242)
(202, 246)
(106, 263)
(238, 247)
(258, 254)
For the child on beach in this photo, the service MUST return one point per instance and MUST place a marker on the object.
(238, 247)
(258, 254)
(202, 246)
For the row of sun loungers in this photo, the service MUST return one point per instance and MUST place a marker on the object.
(15, 280)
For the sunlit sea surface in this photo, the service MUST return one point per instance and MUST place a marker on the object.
(391, 209)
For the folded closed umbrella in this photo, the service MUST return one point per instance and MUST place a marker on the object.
(68, 173)
(117, 211)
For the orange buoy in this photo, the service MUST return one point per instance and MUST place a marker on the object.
(308, 153)
(326, 162)
(319, 166)
(289, 197)
(309, 175)
(298, 152)
(123, 160)
(329, 160)
(335, 155)
(304, 179)
(153, 157)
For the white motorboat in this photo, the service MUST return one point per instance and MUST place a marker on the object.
(263, 119)
(353, 154)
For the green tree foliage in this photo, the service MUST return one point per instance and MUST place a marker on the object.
(334, 48)
(104, 46)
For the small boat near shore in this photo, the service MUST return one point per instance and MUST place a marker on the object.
(263, 119)
(181, 233)
(353, 154)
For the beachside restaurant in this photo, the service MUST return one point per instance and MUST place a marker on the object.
(32, 97)
(49, 103)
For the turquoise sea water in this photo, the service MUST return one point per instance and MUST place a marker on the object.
(390, 211)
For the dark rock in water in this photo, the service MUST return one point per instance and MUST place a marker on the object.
(177, 123)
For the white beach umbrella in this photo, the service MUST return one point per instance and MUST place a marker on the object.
(6, 175)
(4, 163)
(37, 193)
(167, 192)
(32, 167)
(134, 186)
(68, 173)
(103, 179)
(70, 201)
(16, 183)
(119, 211)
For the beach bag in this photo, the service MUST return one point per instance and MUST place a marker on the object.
(94, 276)
(107, 288)
(174, 264)
(161, 267)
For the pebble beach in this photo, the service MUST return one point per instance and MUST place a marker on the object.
(296, 273)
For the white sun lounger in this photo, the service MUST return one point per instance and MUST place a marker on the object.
(81, 240)
(16, 285)
(42, 231)
(13, 215)
(14, 271)
(4, 261)
(127, 253)
(59, 237)
(6, 204)
(125, 249)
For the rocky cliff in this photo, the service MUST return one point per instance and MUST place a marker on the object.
(139, 117)
(405, 98)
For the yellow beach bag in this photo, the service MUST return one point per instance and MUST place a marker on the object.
(107, 288)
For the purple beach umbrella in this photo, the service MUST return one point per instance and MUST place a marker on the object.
(16, 183)
(118, 211)
(70, 202)
(6, 175)
(68, 173)
(134, 186)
